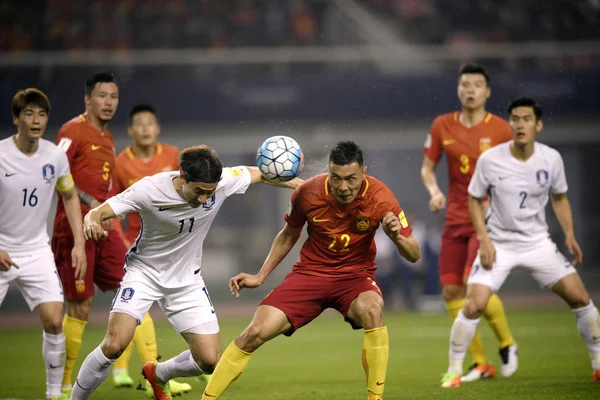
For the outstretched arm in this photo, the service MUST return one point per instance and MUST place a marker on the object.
(257, 177)
(282, 244)
(92, 228)
(562, 209)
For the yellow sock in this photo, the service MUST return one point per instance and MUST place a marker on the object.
(145, 340)
(375, 352)
(123, 361)
(73, 329)
(475, 349)
(494, 313)
(230, 367)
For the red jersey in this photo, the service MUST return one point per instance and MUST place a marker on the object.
(130, 169)
(463, 146)
(91, 155)
(340, 238)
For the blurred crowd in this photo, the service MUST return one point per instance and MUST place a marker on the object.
(143, 24)
(468, 21)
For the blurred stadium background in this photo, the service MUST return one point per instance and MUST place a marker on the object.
(232, 73)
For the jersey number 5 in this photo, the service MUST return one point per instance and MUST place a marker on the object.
(106, 170)
(334, 239)
(464, 164)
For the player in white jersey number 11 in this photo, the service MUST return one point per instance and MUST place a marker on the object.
(163, 265)
(520, 177)
(32, 169)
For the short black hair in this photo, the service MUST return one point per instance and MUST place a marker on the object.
(474, 69)
(101, 77)
(200, 164)
(345, 153)
(525, 102)
(29, 96)
(140, 108)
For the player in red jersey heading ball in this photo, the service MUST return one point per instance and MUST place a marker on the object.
(342, 210)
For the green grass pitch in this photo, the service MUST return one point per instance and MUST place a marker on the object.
(322, 361)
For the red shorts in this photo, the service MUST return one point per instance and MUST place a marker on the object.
(304, 297)
(457, 253)
(105, 262)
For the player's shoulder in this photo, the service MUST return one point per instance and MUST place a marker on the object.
(74, 123)
(168, 149)
(497, 152)
(48, 147)
(546, 151)
(496, 119)
(444, 118)
(315, 183)
(6, 142)
(376, 189)
(125, 155)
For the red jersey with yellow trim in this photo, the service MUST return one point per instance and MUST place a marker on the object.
(340, 238)
(462, 146)
(91, 156)
(130, 169)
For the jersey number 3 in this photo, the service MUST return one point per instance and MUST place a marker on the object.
(464, 164)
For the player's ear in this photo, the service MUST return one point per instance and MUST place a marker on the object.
(539, 125)
(365, 170)
(488, 92)
(86, 100)
(129, 130)
(15, 120)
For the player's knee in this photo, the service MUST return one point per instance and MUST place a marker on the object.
(113, 347)
(578, 299)
(208, 360)
(371, 312)
(79, 309)
(252, 338)
(473, 308)
(453, 292)
(53, 324)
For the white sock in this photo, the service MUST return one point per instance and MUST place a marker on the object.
(180, 366)
(53, 351)
(91, 374)
(461, 335)
(588, 324)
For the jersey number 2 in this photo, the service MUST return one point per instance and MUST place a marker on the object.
(523, 196)
(345, 238)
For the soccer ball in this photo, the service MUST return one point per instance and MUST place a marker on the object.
(280, 158)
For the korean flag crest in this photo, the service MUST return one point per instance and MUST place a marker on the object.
(541, 176)
(48, 173)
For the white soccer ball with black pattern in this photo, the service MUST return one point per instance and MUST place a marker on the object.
(280, 158)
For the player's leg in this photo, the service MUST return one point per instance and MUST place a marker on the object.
(40, 285)
(454, 252)
(294, 303)
(268, 322)
(496, 317)
(78, 296)
(132, 301)
(572, 290)
(481, 284)
(552, 270)
(53, 346)
(95, 367)
(366, 311)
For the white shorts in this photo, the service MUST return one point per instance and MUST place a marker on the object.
(188, 308)
(543, 260)
(36, 278)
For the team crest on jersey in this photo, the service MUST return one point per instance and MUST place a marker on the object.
(48, 173)
(541, 177)
(362, 224)
(127, 294)
(484, 144)
(210, 203)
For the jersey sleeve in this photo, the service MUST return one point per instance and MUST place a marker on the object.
(134, 198)
(433, 144)
(295, 215)
(479, 185)
(559, 179)
(389, 203)
(68, 140)
(65, 180)
(235, 180)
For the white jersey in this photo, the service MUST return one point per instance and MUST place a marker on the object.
(518, 191)
(27, 185)
(169, 247)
